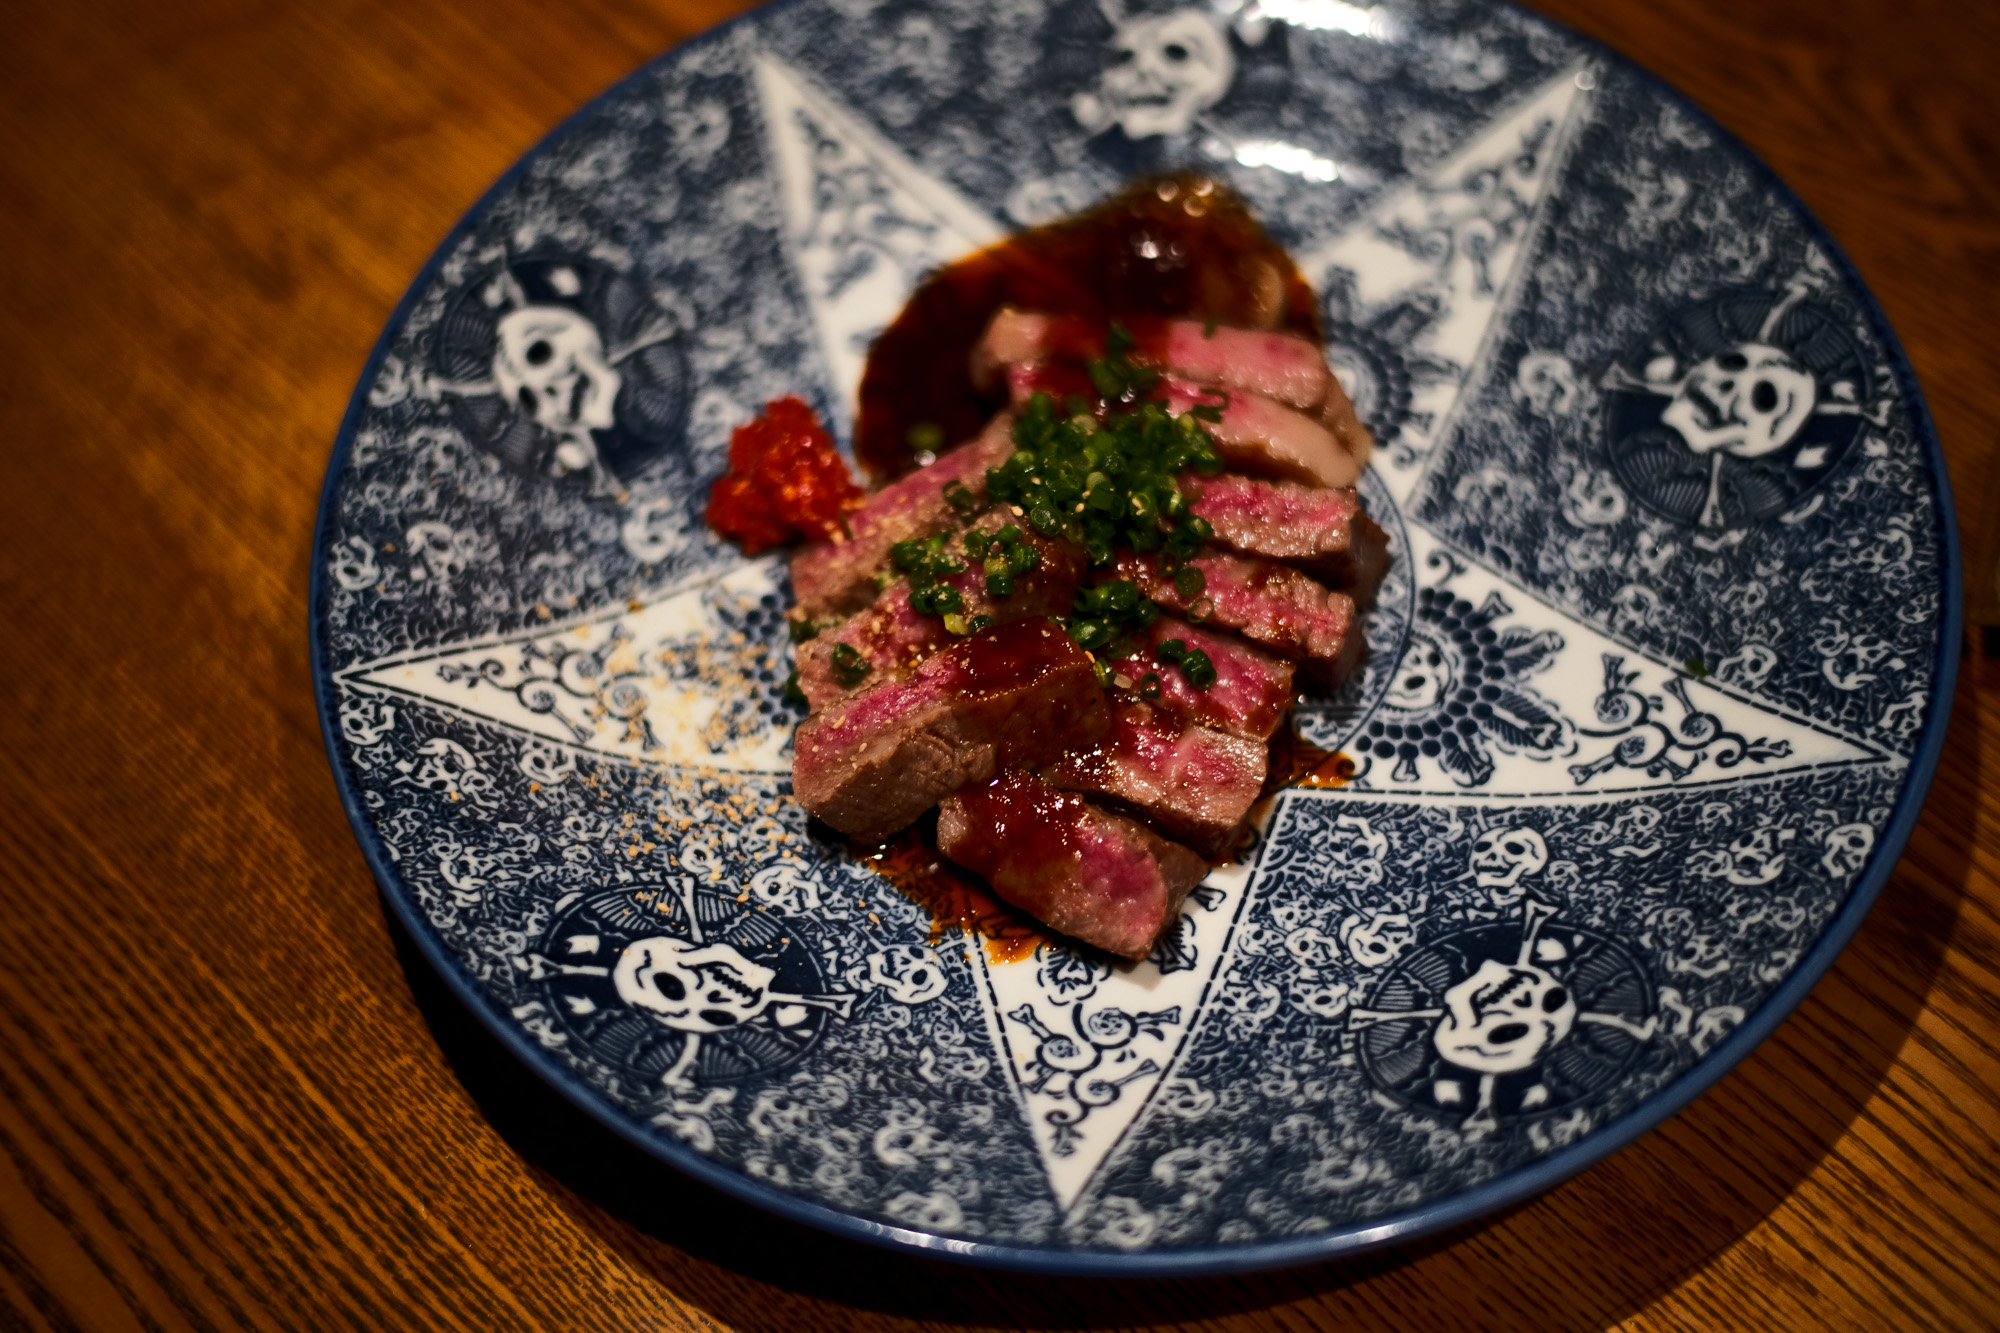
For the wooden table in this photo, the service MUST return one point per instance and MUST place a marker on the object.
(231, 1096)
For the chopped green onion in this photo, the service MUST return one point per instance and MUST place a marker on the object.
(1199, 669)
(849, 666)
(1090, 635)
(936, 600)
(1171, 651)
(1189, 581)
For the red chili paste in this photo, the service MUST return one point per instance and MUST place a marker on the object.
(785, 481)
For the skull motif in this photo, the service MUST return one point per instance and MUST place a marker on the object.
(365, 721)
(1545, 383)
(1749, 401)
(1503, 1019)
(1758, 856)
(1426, 674)
(1713, 1025)
(1164, 70)
(1593, 499)
(1503, 855)
(1847, 849)
(547, 764)
(1699, 956)
(1379, 941)
(910, 973)
(1748, 665)
(551, 362)
(690, 988)
(1851, 664)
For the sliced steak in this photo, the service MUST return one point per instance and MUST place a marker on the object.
(1102, 878)
(1249, 698)
(1272, 605)
(1323, 531)
(893, 639)
(1192, 784)
(1276, 365)
(1012, 695)
(1255, 434)
(1338, 416)
(837, 578)
(1267, 438)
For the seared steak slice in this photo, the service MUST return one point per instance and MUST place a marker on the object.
(1338, 416)
(1102, 878)
(1255, 434)
(892, 638)
(1192, 784)
(1323, 531)
(1272, 605)
(838, 578)
(1267, 438)
(1276, 365)
(1011, 695)
(1251, 693)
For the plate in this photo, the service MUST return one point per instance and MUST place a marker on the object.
(1655, 686)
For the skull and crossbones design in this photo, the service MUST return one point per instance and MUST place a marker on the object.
(1756, 409)
(1502, 999)
(1748, 401)
(636, 975)
(1503, 1019)
(1161, 71)
(704, 989)
(551, 362)
(536, 374)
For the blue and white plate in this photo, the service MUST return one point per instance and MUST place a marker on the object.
(1656, 685)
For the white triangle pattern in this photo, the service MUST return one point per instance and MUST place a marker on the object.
(862, 222)
(1647, 725)
(1088, 1044)
(1448, 245)
(670, 681)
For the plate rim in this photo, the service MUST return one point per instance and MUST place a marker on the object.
(1511, 1187)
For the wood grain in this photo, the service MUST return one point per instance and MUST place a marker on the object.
(229, 1095)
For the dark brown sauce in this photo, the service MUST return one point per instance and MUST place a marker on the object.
(1178, 246)
(1015, 655)
(1297, 762)
(1027, 821)
(911, 862)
